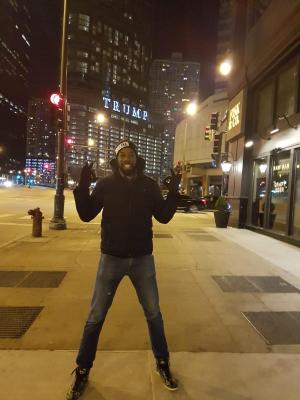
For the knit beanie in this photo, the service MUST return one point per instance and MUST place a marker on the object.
(125, 143)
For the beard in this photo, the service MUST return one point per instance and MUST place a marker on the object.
(128, 170)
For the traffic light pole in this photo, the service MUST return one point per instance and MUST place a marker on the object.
(58, 221)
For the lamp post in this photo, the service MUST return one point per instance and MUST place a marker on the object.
(190, 110)
(100, 118)
(58, 221)
(226, 167)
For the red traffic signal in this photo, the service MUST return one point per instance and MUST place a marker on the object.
(57, 100)
(68, 142)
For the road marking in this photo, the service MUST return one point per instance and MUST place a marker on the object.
(6, 215)
(13, 224)
(11, 241)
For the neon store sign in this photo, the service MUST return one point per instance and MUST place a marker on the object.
(126, 109)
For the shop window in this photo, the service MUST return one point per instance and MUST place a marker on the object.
(287, 89)
(265, 109)
(259, 191)
(296, 222)
(278, 207)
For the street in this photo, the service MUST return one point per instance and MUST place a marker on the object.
(205, 322)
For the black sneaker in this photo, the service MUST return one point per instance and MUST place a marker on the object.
(79, 384)
(163, 369)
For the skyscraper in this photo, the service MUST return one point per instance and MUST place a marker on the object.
(173, 83)
(40, 143)
(224, 40)
(109, 54)
(15, 42)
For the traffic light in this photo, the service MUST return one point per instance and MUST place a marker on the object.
(207, 133)
(57, 100)
(214, 119)
(217, 143)
(68, 142)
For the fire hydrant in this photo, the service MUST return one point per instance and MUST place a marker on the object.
(37, 218)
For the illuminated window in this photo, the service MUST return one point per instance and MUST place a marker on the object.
(82, 67)
(82, 54)
(116, 41)
(83, 22)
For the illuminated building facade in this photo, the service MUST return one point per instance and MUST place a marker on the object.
(109, 54)
(264, 110)
(40, 143)
(224, 41)
(173, 83)
(15, 42)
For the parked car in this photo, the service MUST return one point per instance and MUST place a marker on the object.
(210, 201)
(188, 204)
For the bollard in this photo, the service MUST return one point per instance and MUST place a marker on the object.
(37, 217)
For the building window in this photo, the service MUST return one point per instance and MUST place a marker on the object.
(82, 54)
(82, 67)
(287, 89)
(265, 109)
(83, 22)
(116, 40)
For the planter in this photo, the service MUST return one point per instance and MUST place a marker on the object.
(221, 218)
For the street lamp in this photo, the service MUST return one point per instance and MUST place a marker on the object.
(225, 67)
(101, 119)
(58, 221)
(226, 166)
(191, 110)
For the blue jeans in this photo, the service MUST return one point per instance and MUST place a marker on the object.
(141, 271)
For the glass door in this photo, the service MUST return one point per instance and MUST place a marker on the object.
(296, 219)
(279, 200)
(259, 191)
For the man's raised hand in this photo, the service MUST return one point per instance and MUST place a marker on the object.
(173, 181)
(87, 176)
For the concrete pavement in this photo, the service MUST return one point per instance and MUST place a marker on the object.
(215, 351)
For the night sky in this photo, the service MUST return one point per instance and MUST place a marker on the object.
(190, 27)
(187, 26)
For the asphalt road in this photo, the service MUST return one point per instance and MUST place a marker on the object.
(15, 203)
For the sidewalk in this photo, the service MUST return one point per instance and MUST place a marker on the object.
(215, 352)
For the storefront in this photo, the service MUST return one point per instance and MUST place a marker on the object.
(274, 205)
(235, 152)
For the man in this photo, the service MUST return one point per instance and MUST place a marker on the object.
(129, 200)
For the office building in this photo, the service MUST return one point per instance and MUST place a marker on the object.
(109, 54)
(173, 84)
(224, 41)
(40, 141)
(15, 43)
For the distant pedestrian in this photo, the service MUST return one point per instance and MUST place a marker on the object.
(129, 199)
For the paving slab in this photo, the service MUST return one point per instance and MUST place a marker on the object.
(45, 375)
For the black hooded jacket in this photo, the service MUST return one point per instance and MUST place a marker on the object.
(128, 207)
